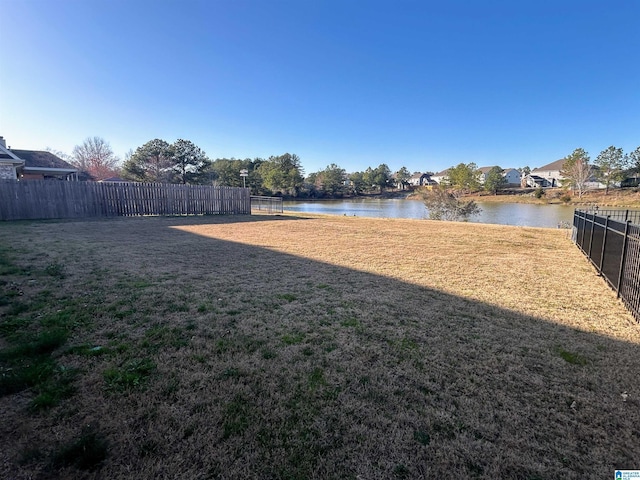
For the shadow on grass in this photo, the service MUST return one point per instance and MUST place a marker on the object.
(169, 219)
(297, 368)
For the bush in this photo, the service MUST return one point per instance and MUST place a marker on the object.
(445, 205)
(565, 198)
(539, 192)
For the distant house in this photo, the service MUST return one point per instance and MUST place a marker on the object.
(630, 182)
(420, 179)
(33, 165)
(535, 181)
(547, 176)
(482, 174)
(512, 176)
(440, 177)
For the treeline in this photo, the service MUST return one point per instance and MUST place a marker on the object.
(610, 168)
(184, 162)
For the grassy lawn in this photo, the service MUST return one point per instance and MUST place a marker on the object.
(316, 347)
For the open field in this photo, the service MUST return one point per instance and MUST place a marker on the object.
(317, 347)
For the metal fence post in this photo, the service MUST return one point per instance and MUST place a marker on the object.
(584, 223)
(623, 258)
(593, 225)
(604, 243)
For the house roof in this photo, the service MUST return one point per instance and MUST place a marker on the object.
(557, 165)
(443, 173)
(485, 170)
(8, 157)
(39, 159)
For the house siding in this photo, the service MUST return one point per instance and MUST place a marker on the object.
(512, 176)
(551, 173)
(7, 172)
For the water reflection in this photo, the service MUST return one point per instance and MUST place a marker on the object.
(520, 214)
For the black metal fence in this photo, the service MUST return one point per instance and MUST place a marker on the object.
(611, 240)
(266, 204)
(619, 215)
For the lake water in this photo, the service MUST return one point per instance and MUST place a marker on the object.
(521, 214)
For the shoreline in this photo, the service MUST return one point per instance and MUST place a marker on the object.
(615, 198)
(553, 196)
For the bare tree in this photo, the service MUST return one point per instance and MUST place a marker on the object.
(577, 170)
(95, 157)
(59, 153)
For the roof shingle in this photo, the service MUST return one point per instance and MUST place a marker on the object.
(557, 165)
(41, 159)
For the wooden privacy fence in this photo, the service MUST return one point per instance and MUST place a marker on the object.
(42, 199)
(612, 242)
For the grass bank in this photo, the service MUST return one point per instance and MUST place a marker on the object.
(315, 347)
(618, 198)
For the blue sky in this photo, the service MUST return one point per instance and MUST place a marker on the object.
(422, 84)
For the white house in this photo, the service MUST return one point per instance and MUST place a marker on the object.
(482, 174)
(420, 179)
(512, 176)
(547, 176)
(440, 177)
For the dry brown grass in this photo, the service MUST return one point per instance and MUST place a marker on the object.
(618, 198)
(323, 347)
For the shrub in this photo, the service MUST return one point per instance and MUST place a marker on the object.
(443, 204)
(539, 192)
